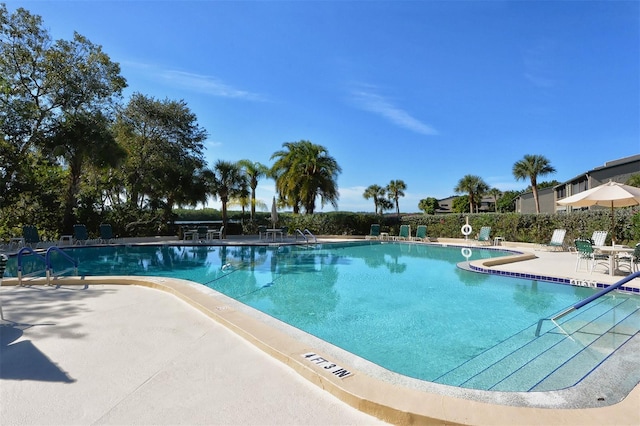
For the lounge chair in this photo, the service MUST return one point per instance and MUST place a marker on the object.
(31, 236)
(106, 234)
(598, 238)
(421, 233)
(80, 234)
(557, 240)
(484, 235)
(374, 232)
(404, 234)
(586, 252)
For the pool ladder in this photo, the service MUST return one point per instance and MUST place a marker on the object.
(47, 263)
(306, 234)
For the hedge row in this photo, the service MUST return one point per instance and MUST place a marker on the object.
(517, 227)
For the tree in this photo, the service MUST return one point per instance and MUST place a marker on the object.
(81, 140)
(254, 171)
(506, 203)
(377, 193)
(164, 147)
(56, 102)
(228, 183)
(496, 194)
(304, 171)
(634, 180)
(475, 187)
(461, 204)
(532, 166)
(396, 189)
(429, 205)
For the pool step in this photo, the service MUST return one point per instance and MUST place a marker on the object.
(559, 358)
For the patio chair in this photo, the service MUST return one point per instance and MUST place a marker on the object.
(216, 233)
(421, 233)
(404, 234)
(633, 259)
(106, 234)
(374, 232)
(80, 234)
(598, 238)
(557, 240)
(484, 235)
(202, 233)
(262, 232)
(585, 252)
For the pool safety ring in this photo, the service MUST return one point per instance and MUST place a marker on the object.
(466, 230)
(466, 252)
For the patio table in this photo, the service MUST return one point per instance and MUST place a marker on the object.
(275, 232)
(613, 252)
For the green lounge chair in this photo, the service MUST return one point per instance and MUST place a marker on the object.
(421, 233)
(374, 232)
(404, 234)
(106, 234)
(80, 234)
(484, 235)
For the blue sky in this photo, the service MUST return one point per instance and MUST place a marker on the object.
(423, 91)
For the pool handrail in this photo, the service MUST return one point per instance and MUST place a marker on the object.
(28, 250)
(65, 256)
(587, 300)
(307, 232)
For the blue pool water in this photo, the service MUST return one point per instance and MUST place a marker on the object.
(406, 307)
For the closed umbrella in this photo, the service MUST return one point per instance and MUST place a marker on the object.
(274, 213)
(610, 194)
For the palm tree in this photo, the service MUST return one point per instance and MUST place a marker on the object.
(532, 166)
(473, 185)
(303, 172)
(496, 194)
(254, 171)
(228, 182)
(396, 189)
(377, 193)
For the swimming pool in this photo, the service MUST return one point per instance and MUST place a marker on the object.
(406, 307)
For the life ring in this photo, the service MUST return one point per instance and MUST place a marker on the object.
(466, 230)
(466, 252)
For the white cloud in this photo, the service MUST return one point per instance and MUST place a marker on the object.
(195, 82)
(207, 84)
(366, 99)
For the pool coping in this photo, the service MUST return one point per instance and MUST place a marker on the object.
(396, 403)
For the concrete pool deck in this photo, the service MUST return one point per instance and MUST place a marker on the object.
(116, 354)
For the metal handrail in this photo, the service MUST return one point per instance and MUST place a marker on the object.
(302, 235)
(587, 301)
(64, 255)
(307, 232)
(28, 250)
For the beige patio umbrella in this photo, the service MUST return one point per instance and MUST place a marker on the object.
(274, 213)
(610, 194)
